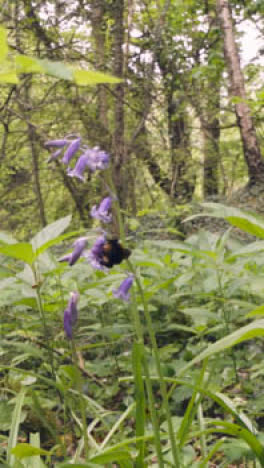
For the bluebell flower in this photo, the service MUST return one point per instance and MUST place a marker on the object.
(56, 143)
(55, 155)
(71, 151)
(79, 168)
(96, 254)
(71, 314)
(102, 212)
(79, 246)
(123, 291)
(97, 159)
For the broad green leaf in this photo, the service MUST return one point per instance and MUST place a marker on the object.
(56, 69)
(248, 222)
(56, 241)
(26, 450)
(50, 232)
(12, 440)
(235, 430)
(111, 456)
(258, 311)
(91, 78)
(27, 64)
(248, 332)
(21, 251)
(3, 44)
(8, 74)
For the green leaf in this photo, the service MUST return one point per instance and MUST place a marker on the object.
(27, 450)
(56, 69)
(12, 440)
(21, 251)
(258, 311)
(111, 456)
(56, 241)
(3, 44)
(248, 222)
(91, 78)
(27, 64)
(50, 232)
(244, 333)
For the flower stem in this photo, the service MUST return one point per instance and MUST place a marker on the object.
(163, 390)
(153, 412)
(82, 403)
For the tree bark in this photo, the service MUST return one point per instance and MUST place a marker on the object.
(182, 177)
(35, 164)
(245, 123)
(118, 136)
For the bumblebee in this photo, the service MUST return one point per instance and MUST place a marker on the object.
(114, 253)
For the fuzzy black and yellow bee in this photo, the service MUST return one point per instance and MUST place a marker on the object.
(114, 253)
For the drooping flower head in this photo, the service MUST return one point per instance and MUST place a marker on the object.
(56, 143)
(102, 212)
(71, 314)
(79, 246)
(80, 167)
(98, 159)
(55, 155)
(123, 291)
(96, 254)
(71, 151)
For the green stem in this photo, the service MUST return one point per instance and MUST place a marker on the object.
(43, 318)
(82, 403)
(139, 331)
(226, 317)
(202, 428)
(163, 390)
(152, 409)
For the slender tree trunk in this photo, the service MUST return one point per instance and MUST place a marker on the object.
(182, 176)
(99, 26)
(245, 123)
(35, 163)
(211, 137)
(118, 137)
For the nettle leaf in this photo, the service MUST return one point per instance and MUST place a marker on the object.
(248, 332)
(247, 222)
(27, 450)
(21, 251)
(50, 232)
(3, 44)
(91, 78)
(27, 64)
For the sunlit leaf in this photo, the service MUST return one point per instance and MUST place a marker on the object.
(27, 64)
(26, 450)
(90, 78)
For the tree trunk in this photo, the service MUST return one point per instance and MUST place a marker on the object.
(118, 136)
(245, 123)
(99, 26)
(35, 164)
(182, 176)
